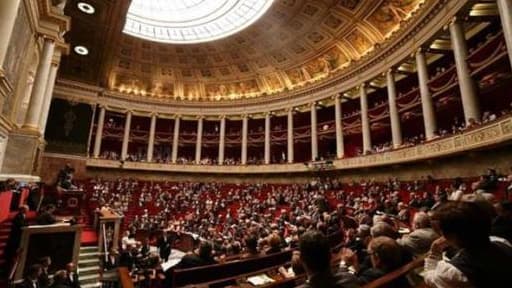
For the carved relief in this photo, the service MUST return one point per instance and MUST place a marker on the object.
(390, 13)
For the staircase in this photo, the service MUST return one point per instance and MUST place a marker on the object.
(5, 229)
(89, 267)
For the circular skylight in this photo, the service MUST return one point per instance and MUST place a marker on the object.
(191, 21)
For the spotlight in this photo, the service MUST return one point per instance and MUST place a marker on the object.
(81, 50)
(86, 8)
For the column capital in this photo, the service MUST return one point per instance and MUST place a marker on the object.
(177, 116)
(221, 117)
(312, 104)
(363, 85)
(420, 50)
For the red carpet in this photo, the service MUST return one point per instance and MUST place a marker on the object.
(89, 237)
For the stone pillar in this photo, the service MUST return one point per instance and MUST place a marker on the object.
(340, 147)
(126, 136)
(396, 130)
(467, 86)
(151, 140)
(35, 106)
(290, 136)
(505, 9)
(365, 120)
(427, 105)
(8, 13)
(99, 133)
(314, 137)
(48, 97)
(199, 139)
(267, 138)
(175, 140)
(222, 140)
(245, 127)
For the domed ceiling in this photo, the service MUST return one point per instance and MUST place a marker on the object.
(295, 43)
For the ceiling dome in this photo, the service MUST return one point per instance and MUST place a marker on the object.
(191, 21)
(295, 44)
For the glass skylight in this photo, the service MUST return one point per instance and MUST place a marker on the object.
(191, 21)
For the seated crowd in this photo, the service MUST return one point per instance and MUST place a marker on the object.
(384, 226)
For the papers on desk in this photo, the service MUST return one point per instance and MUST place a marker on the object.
(174, 259)
(261, 279)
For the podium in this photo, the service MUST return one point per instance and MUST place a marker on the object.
(108, 225)
(59, 241)
(70, 202)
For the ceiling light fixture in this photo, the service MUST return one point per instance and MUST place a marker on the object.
(86, 8)
(81, 50)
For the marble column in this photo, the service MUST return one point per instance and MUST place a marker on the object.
(427, 104)
(467, 86)
(505, 9)
(245, 127)
(151, 140)
(199, 139)
(267, 138)
(290, 136)
(8, 13)
(175, 140)
(48, 97)
(222, 140)
(394, 116)
(35, 106)
(126, 136)
(340, 147)
(365, 120)
(99, 133)
(314, 137)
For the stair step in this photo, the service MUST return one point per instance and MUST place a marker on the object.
(88, 255)
(86, 249)
(88, 262)
(4, 237)
(91, 285)
(88, 269)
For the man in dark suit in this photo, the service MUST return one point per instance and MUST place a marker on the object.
(31, 280)
(164, 246)
(47, 217)
(72, 277)
(127, 258)
(13, 242)
(202, 258)
(44, 278)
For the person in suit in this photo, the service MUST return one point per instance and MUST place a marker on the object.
(72, 277)
(46, 217)
(44, 278)
(19, 221)
(127, 258)
(420, 239)
(60, 279)
(315, 255)
(145, 249)
(202, 258)
(164, 246)
(112, 261)
(385, 255)
(32, 278)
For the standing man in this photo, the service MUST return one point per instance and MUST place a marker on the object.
(164, 246)
(19, 221)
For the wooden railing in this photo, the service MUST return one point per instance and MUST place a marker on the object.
(125, 280)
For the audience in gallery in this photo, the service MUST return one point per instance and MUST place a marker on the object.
(239, 221)
(163, 156)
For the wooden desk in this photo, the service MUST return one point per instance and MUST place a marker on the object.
(59, 241)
